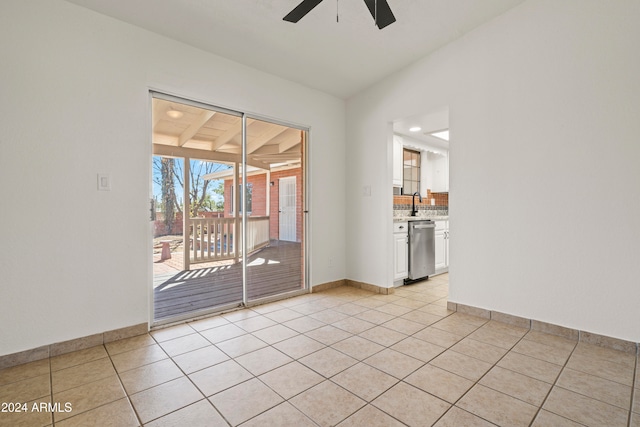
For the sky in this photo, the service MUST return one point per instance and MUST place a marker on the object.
(198, 167)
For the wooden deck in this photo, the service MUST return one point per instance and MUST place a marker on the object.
(272, 270)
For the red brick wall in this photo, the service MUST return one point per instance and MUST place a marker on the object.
(259, 199)
(160, 228)
(442, 199)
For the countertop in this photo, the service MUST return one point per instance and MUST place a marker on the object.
(418, 218)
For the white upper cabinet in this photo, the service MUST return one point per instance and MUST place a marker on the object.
(397, 161)
(438, 171)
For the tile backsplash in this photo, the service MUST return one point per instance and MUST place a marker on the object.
(402, 205)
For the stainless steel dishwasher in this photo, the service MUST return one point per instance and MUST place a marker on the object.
(422, 250)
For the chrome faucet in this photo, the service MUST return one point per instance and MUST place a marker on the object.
(413, 202)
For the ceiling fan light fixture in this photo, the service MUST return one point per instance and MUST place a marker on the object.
(379, 9)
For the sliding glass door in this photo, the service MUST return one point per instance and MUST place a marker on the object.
(227, 209)
(275, 199)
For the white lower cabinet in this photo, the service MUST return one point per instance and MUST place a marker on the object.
(442, 246)
(400, 251)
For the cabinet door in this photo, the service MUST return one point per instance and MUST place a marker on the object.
(441, 250)
(440, 174)
(400, 256)
(397, 161)
(446, 244)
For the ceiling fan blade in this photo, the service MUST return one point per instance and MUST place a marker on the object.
(385, 15)
(301, 10)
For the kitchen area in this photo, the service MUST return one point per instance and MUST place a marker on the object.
(420, 197)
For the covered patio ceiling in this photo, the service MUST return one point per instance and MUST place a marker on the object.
(181, 130)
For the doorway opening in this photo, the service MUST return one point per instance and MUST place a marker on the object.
(421, 168)
(221, 201)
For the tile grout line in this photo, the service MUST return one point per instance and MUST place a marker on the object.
(204, 397)
(169, 357)
(598, 399)
(482, 376)
(554, 385)
(633, 391)
(257, 376)
(77, 386)
(398, 380)
(357, 361)
(53, 423)
(402, 380)
(352, 316)
(122, 384)
(633, 388)
(287, 400)
(126, 393)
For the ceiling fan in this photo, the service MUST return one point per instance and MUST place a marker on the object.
(379, 9)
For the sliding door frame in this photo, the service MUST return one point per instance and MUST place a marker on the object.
(240, 197)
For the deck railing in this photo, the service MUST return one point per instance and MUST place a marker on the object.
(218, 239)
(257, 233)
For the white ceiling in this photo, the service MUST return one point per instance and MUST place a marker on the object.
(338, 58)
(428, 123)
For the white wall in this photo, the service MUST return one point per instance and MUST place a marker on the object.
(74, 102)
(544, 164)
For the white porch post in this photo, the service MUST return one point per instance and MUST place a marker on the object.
(268, 211)
(244, 209)
(235, 204)
(185, 216)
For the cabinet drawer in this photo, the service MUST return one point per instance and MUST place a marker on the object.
(400, 227)
(442, 225)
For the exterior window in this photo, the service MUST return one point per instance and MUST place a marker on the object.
(249, 198)
(411, 171)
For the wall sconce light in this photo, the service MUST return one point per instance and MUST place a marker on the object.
(271, 184)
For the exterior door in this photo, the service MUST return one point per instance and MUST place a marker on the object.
(287, 212)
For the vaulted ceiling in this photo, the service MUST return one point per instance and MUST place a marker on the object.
(339, 58)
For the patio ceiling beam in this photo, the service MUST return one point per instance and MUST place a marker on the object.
(293, 138)
(162, 139)
(229, 134)
(173, 151)
(276, 158)
(268, 149)
(267, 136)
(276, 149)
(194, 127)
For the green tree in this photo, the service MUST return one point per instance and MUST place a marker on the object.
(167, 185)
(199, 188)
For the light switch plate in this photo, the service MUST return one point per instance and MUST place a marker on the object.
(104, 182)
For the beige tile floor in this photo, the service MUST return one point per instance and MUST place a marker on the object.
(342, 357)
